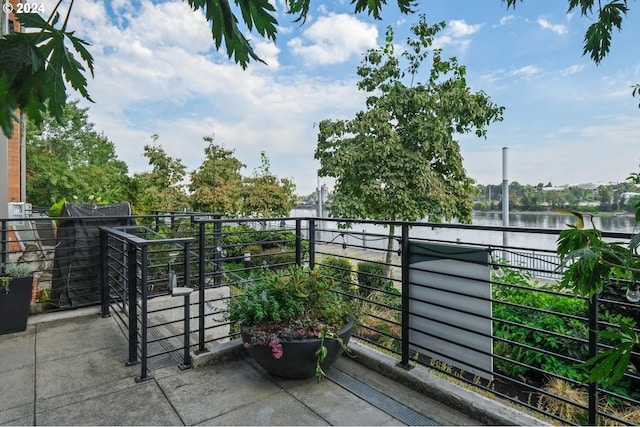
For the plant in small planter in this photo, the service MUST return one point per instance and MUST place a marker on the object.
(293, 324)
(15, 296)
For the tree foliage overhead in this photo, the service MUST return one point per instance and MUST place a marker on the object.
(398, 159)
(34, 66)
(71, 161)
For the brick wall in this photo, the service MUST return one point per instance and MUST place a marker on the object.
(14, 160)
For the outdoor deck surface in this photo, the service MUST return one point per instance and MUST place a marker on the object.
(71, 371)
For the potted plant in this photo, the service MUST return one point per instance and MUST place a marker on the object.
(292, 322)
(15, 296)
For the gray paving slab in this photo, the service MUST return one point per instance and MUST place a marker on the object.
(67, 339)
(17, 350)
(17, 373)
(338, 406)
(205, 393)
(18, 415)
(84, 371)
(17, 388)
(140, 404)
(277, 409)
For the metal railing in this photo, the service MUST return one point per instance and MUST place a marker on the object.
(531, 334)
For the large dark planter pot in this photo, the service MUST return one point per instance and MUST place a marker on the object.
(14, 306)
(298, 357)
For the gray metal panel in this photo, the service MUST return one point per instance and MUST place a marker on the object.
(451, 284)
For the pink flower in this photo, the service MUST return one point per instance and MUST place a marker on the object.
(302, 332)
(276, 348)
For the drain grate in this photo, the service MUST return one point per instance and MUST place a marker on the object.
(381, 401)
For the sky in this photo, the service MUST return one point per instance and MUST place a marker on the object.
(566, 120)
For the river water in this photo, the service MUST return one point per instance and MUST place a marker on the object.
(549, 221)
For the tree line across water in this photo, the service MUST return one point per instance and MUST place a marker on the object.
(613, 197)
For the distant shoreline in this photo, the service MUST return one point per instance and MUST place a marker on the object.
(549, 212)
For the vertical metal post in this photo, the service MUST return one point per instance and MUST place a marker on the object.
(312, 243)
(404, 261)
(201, 285)
(298, 242)
(593, 351)
(4, 243)
(186, 361)
(217, 237)
(132, 279)
(104, 269)
(186, 357)
(505, 199)
(187, 264)
(144, 371)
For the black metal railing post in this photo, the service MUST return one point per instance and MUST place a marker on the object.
(186, 357)
(5, 241)
(201, 287)
(132, 301)
(217, 256)
(144, 371)
(312, 243)
(593, 351)
(299, 256)
(404, 262)
(104, 268)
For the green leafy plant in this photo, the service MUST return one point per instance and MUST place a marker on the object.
(338, 269)
(371, 276)
(291, 305)
(11, 271)
(588, 264)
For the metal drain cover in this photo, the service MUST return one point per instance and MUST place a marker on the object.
(381, 401)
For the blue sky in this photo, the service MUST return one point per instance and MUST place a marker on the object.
(566, 119)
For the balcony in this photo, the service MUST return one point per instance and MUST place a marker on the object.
(74, 370)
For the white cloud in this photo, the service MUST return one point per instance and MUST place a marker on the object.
(526, 72)
(456, 34)
(573, 69)
(334, 39)
(556, 28)
(268, 51)
(459, 28)
(506, 19)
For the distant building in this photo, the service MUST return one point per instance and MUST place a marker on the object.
(12, 150)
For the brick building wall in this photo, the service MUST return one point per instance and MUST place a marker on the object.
(14, 156)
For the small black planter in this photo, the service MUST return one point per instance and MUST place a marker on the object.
(14, 306)
(298, 357)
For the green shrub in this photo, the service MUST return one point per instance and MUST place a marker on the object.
(339, 269)
(273, 258)
(371, 276)
(539, 329)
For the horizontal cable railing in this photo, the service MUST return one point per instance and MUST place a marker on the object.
(488, 316)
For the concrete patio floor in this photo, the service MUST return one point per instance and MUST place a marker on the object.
(70, 371)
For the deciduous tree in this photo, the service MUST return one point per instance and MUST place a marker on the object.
(162, 188)
(72, 161)
(398, 159)
(217, 183)
(265, 195)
